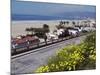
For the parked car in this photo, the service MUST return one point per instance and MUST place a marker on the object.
(73, 32)
(51, 36)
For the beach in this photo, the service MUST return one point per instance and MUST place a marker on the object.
(18, 27)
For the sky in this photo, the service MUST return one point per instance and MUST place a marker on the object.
(38, 8)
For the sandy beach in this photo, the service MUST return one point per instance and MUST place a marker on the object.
(18, 27)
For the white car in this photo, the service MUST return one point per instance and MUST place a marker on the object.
(73, 32)
(51, 36)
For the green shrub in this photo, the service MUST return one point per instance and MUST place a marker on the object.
(73, 57)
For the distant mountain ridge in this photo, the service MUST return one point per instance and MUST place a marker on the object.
(59, 16)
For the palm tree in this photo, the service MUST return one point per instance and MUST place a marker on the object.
(61, 22)
(73, 22)
(60, 26)
(67, 22)
(64, 22)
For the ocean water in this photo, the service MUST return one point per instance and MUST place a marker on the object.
(68, 16)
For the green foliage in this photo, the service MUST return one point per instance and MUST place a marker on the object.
(40, 32)
(46, 28)
(73, 57)
(60, 26)
(89, 47)
(73, 23)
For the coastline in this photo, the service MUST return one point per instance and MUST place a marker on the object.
(18, 27)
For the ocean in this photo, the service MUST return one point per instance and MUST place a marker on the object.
(67, 16)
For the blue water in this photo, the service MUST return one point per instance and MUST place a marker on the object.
(69, 16)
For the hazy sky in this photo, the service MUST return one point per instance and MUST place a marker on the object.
(36, 8)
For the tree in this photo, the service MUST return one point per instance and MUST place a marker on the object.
(73, 22)
(64, 22)
(67, 22)
(46, 28)
(39, 32)
(60, 26)
(28, 30)
(61, 22)
(45, 38)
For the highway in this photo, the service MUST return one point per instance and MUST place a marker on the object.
(29, 62)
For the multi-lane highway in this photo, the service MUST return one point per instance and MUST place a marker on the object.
(28, 62)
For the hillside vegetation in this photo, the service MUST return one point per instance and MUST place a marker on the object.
(73, 57)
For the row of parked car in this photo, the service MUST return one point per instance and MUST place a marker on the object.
(69, 31)
(64, 32)
(75, 31)
(25, 41)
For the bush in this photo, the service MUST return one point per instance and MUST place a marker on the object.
(73, 57)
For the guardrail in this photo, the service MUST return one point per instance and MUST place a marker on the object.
(41, 44)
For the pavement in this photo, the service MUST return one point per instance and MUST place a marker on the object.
(28, 63)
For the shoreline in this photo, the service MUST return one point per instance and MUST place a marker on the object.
(51, 20)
